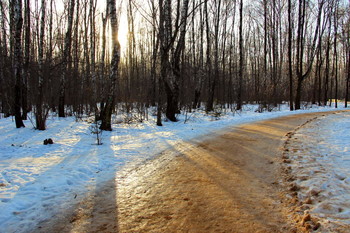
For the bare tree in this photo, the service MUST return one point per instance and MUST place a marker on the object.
(41, 113)
(241, 58)
(335, 63)
(213, 79)
(302, 72)
(66, 59)
(106, 115)
(328, 58)
(3, 56)
(103, 58)
(17, 65)
(290, 58)
(347, 52)
(170, 63)
(26, 70)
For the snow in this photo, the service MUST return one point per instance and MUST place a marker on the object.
(39, 181)
(321, 164)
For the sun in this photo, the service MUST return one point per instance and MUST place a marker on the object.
(123, 33)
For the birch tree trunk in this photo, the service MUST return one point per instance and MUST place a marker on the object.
(102, 62)
(93, 55)
(170, 82)
(170, 66)
(106, 115)
(155, 47)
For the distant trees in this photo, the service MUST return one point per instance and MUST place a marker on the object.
(178, 55)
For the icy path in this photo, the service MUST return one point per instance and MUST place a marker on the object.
(321, 165)
(37, 181)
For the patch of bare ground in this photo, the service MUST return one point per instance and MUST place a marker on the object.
(230, 182)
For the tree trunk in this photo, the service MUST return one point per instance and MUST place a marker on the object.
(326, 79)
(170, 66)
(173, 98)
(41, 114)
(213, 80)
(93, 100)
(347, 82)
(18, 21)
(102, 62)
(290, 58)
(335, 24)
(106, 115)
(3, 56)
(155, 46)
(51, 98)
(302, 73)
(208, 55)
(241, 57)
(26, 73)
(66, 60)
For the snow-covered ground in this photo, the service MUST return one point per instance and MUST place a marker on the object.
(38, 181)
(321, 166)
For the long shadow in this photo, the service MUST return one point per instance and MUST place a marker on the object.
(98, 211)
(80, 208)
(220, 167)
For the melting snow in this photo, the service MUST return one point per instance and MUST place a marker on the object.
(321, 164)
(39, 181)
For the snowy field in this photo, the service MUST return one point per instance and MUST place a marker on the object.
(38, 181)
(321, 164)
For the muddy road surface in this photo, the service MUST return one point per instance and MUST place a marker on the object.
(228, 182)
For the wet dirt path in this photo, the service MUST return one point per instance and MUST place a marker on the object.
(229, 182)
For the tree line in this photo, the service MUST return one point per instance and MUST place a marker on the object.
(66, 56)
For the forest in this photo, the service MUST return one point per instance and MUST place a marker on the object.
(93, 57)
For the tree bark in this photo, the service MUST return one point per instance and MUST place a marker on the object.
(106, 115)
(208, 53)
(3, 56)
(103, 62)
(290, 58)
(26, 73)
(213, 80)
(241, 57)
(347, 82)
(335, 24)
(93, 100)
(326, 79)
(170, 66)
(18, 21)
(41, 114)
(65, 60)
(302, 73)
